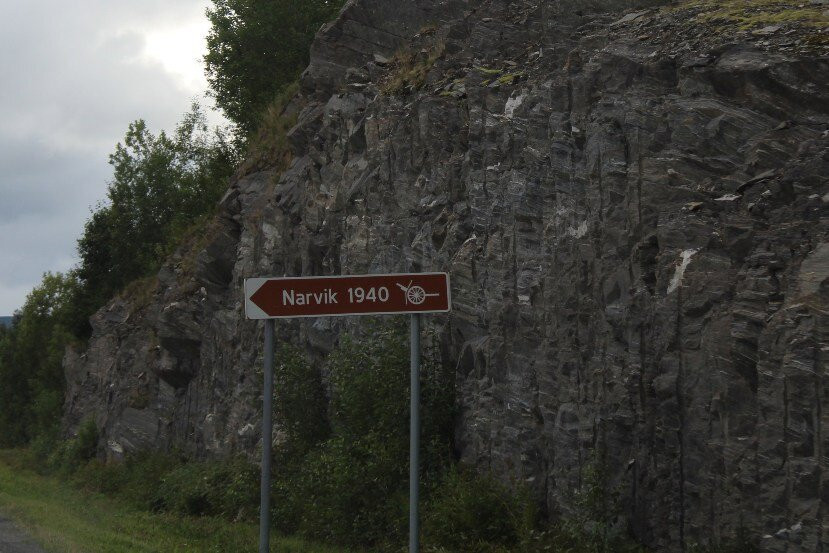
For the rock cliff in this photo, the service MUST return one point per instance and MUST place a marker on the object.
(632, 201)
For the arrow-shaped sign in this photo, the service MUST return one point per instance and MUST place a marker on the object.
(274, 298)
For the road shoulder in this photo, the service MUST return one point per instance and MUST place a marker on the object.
(13, 540)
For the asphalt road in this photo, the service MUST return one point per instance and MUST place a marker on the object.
(12, 540)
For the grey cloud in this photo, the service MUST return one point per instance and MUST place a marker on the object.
(36, 181)
(71, 80)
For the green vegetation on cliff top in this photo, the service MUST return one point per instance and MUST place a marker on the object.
(750, 14)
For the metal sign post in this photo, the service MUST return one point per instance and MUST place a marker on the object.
(267, 441)
(414, 437)
(276, 298)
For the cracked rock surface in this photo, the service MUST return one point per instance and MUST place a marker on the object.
(635, 218)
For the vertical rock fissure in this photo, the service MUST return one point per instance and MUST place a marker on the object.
(819, 389)
(639, 184)
(787, 496)
(680, 382)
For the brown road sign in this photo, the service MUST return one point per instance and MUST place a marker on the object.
(276, 298)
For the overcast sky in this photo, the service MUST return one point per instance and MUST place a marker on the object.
(73, 75)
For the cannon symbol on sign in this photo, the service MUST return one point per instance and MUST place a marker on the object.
(415, 294)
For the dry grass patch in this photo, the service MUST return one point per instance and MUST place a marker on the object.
(140, 292)
(268, 148)
(752, 14)
(408, 69)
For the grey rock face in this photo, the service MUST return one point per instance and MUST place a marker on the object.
(636, 231)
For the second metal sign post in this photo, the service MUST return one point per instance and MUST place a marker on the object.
(274, 298)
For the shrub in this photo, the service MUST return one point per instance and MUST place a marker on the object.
(169, 482)
(137, 479)
(350, 492)
(31, 375)
(100, 476)
(227, 488)
(352, 487)
(69, 455)
(475, 513)
(594, 526)
(42, 448)
(300, 404)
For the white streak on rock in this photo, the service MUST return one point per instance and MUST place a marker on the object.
(814, 270)
(470, 239)
(685, 256)
(579, 231)
(512, 104)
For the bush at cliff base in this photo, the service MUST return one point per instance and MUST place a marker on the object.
(348, 482)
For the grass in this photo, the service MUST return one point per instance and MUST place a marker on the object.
(190, 243)
(410, 68)
(752, 14)
(64, 519)
(268, 147)
(487, 70)
(140, 292)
